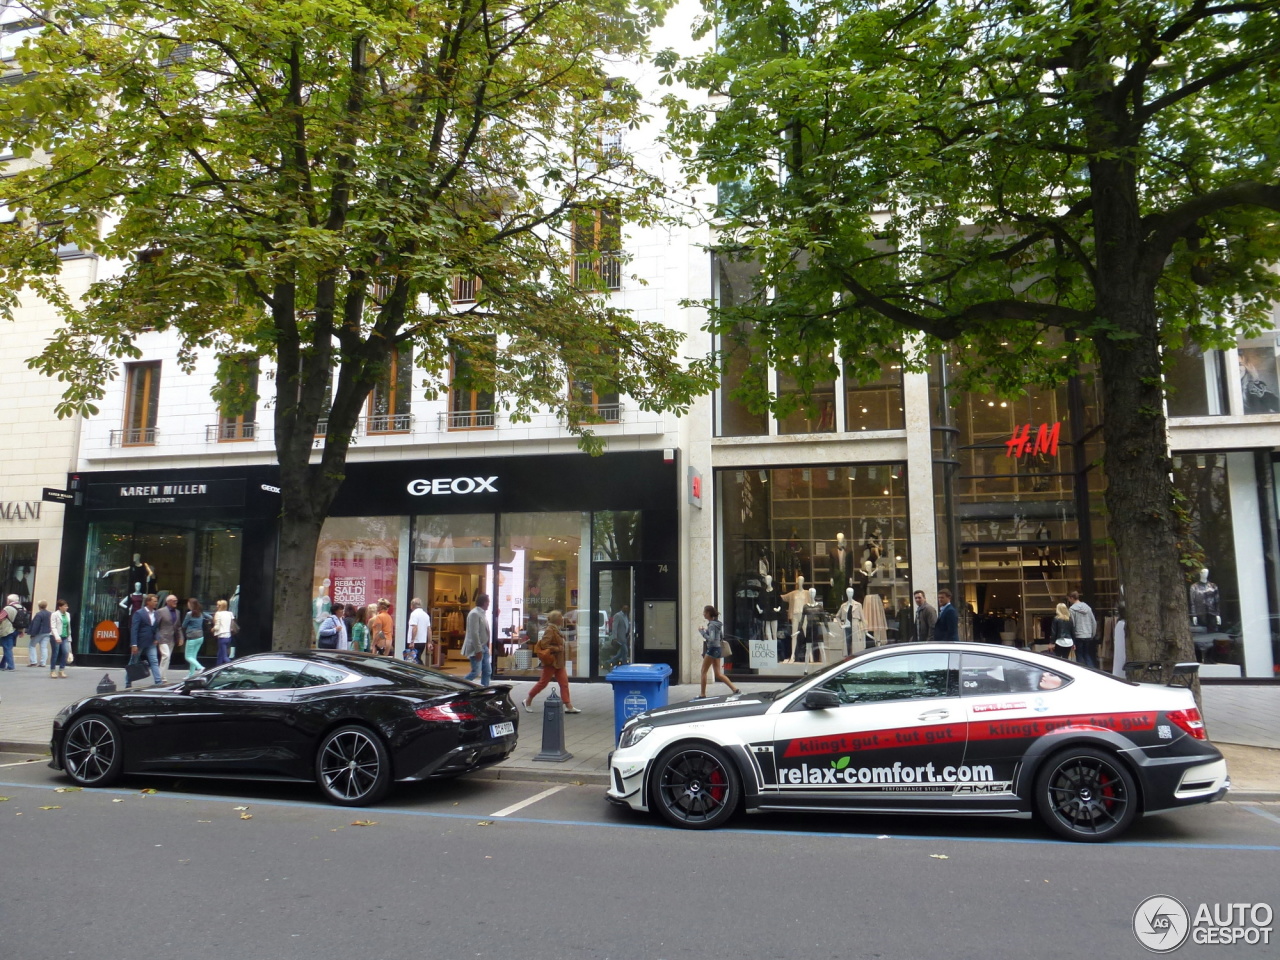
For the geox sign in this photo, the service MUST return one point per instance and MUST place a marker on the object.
(421, 488)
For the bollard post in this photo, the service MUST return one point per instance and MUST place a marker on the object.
(106, 684)
(553, 750)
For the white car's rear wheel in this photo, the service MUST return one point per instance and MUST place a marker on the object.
(1086, 794)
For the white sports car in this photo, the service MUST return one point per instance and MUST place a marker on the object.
(954, 728)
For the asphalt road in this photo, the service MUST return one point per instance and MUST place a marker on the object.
(237, 871)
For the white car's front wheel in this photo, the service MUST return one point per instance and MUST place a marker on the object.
(695, 786)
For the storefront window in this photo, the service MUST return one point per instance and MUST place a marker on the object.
(827, 528)
(18, 572)
(463, 538)
(1194, 383)
(874, 403)
(540, 570)
(1259, 382)
(357, 563)
(127, 560)
(814, 413)
(452, 564)
(616, 535)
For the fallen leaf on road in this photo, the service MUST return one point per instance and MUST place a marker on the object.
(54, 807)
(117, 801)
(3, 799)
(204, 821)
(364, 823)
(485, 823)
(246, 816)
(578, 783)
(939, 856)
(67, 789)
(149, 790)
(239, 808)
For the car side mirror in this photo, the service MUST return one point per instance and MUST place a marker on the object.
(820, 699)
(195, 683)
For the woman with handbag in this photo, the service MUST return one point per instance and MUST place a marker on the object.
(713, 646)
(550, 653)
(222, 622)
(60, 632)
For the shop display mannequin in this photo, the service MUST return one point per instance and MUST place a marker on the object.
(873, 612)
(1203, 602)
(813, 617)
(140, 573)
(842, 556)
(850, 617)
(234, 603)
(796, 601)
(131, 604)
(769, 610)
(21, 583)
(320, 605)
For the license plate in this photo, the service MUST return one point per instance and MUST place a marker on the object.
(502, 729)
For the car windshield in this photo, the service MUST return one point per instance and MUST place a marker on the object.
(400, 672)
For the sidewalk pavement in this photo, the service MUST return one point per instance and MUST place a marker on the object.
(1243, 721)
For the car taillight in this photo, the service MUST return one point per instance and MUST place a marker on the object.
(455, 712)
(1188, 720)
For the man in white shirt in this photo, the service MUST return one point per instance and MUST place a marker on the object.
(418, 636)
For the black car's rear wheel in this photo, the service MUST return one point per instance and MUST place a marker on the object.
(1086, 794)
(352, 767)
(696, 786)
(91, 753)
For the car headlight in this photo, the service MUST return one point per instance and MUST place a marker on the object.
(633, 735)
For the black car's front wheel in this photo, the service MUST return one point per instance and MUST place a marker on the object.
(353, 767)
(91, 751)
(1086, 794)
(696, 786)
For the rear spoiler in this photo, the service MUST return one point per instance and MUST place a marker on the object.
(1152, 671)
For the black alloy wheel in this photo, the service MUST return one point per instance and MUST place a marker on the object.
(1086, 794)
(695, 786)
(352, 767)
(91, 754)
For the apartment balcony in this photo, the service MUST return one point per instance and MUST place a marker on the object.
(230, 431)
(387, 423)
(467, 420)
(133, 437)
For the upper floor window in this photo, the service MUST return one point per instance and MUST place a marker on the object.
(600, 399)
(237, 416)
(1259, 382)
(465, 289)
(471, 394)
(597, 248)
(389, 399)
(876, 403)
(1195, 382)
(141, 404)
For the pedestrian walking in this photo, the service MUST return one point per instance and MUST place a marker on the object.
(418, 636)
(222, 621)
(926, 616)
(13, 617)
(60, 637)
(382, 630)
(946, 629)
(713, 649)
(142, 633)
(168, 631)
(1061, 632)
(477, 645)
(193, 627)
(1084, 626)
(38, 636)
(360, 630)
(550, 653)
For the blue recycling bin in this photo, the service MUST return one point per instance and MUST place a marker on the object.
(637, 687)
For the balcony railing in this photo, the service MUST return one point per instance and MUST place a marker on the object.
(606, 267)
(467, 420)
(133, 437)
(389, 423)
(608, 412)
(230, 430)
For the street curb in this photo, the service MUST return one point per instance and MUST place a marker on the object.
(1253, 796)
(534, 774)
(21, 746)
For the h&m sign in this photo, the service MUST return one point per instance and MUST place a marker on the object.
(19, 509)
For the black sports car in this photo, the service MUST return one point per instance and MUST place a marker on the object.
(351, 722)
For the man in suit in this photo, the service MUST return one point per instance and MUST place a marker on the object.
(143, 634)
(926, 617)
(947, 627)
(168, 635)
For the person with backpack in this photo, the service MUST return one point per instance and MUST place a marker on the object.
(9, 629)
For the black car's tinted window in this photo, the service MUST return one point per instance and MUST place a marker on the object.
(983, 675)
(318, 675)
(907, 676)
(269, 674)
(399, 671)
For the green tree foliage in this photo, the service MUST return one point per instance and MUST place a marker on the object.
(1002, 176)
(303, 181)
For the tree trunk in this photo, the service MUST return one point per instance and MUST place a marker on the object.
(295, 565)
(1139, 486)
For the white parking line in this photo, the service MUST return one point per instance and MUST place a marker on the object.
(1261, 813)
(507, 811)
